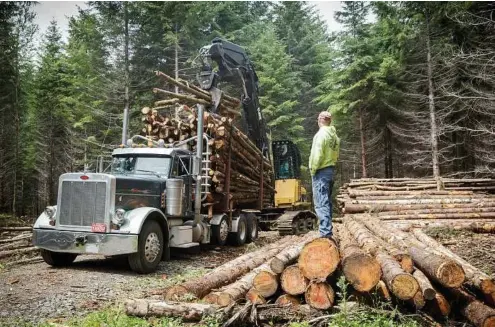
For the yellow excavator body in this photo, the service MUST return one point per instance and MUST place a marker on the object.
(290, 194)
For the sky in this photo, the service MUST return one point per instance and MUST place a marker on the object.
(60, 11)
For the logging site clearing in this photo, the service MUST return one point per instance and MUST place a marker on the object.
(429, 263)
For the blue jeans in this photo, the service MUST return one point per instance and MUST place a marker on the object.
(322, 197)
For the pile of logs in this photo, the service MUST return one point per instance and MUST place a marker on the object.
(16, 246)
(403, 266)
(175, 119)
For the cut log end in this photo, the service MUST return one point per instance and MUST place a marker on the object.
(255, 297)
(404, 286)
(265, 283)
(418, 301)
(211, 298)
(224, 299)
(451, 274)
(319, 258)
(288, 300)
(320, 296)
(362, 271)
(406, 263)
(277, 265)
(292, 281)
(439, 306)
(382, 291)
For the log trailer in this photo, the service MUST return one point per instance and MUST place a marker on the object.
(153, 198)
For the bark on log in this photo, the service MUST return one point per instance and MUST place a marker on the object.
(418, 301)
(437, 211)
(438, 306)
(17, 238)
(157, 308)
(9, 253)
(287, 300)
(293, 281)
(320, 295)
(474, 276)
(403, 285)
(356, 193)
(255, 297)
(375, 207)
(443, 270)
(466, 215)
(382, 290)
(286, 258)
(16, 229)
(429, 292)
(16, 245)
(360, 269)
(475, 311)
(228, 272)
(319, 258)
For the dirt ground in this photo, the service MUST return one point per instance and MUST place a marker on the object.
(477, 249)
(38, 292)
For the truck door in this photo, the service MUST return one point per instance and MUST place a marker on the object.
(183, 169)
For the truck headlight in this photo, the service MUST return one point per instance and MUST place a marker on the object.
(118, 217)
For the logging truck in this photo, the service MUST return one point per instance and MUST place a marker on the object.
(158, 196)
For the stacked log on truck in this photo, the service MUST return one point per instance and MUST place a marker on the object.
(174, 119)
(403, 266)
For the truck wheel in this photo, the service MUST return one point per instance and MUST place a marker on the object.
(150, 249)
(220, 232)
(58, 259)
(239, 238)
(252, 228)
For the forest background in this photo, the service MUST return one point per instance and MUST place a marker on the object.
(411, 93)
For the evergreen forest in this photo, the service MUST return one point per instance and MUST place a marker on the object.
(410, 85)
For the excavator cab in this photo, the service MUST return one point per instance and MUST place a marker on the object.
(286, 164)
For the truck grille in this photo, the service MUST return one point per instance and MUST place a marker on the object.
(82, 203)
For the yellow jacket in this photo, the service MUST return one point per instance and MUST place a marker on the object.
(325, 149)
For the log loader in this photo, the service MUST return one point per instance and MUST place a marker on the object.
(153, 199)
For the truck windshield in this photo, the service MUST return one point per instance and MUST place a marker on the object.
(141, 165)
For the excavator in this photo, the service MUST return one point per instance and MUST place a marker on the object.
(290, 212)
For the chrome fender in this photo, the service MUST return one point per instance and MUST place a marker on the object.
(135, 218)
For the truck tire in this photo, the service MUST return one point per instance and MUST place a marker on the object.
(150, 249)
(220, 232)
(58, 259)
(239, 238)
(252, 228)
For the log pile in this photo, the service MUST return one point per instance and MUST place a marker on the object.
(16, 246)
(402, 266)
(174, 120)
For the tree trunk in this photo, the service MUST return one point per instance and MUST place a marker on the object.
(126, 75)
(320, 295)
(363, 145)
(429, 292)
(360, 269)
(293, 281)
(319, 258)
(403, 285)
(431, 105)
(157, 308)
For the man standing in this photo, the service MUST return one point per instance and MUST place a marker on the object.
(322, 160)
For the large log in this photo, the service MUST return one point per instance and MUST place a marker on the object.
(360, 269)
(252, 296)
(375, 207)
(228, 272)
(437, 211)
(319, 258)
(293, 281)
(475, 311)
(157, 308)
(403, 285)
(373, 244)
(286, 258)
(16, 229)
(320, 295)
(266, 283)
(438, 306)
(356, 193)
(466, 215)
(475, 277)
(443, 270)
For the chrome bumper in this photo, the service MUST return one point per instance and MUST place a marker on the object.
(84, 242)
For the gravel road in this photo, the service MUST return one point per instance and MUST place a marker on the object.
(37, 292)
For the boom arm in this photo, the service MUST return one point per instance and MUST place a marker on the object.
(233, 63)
